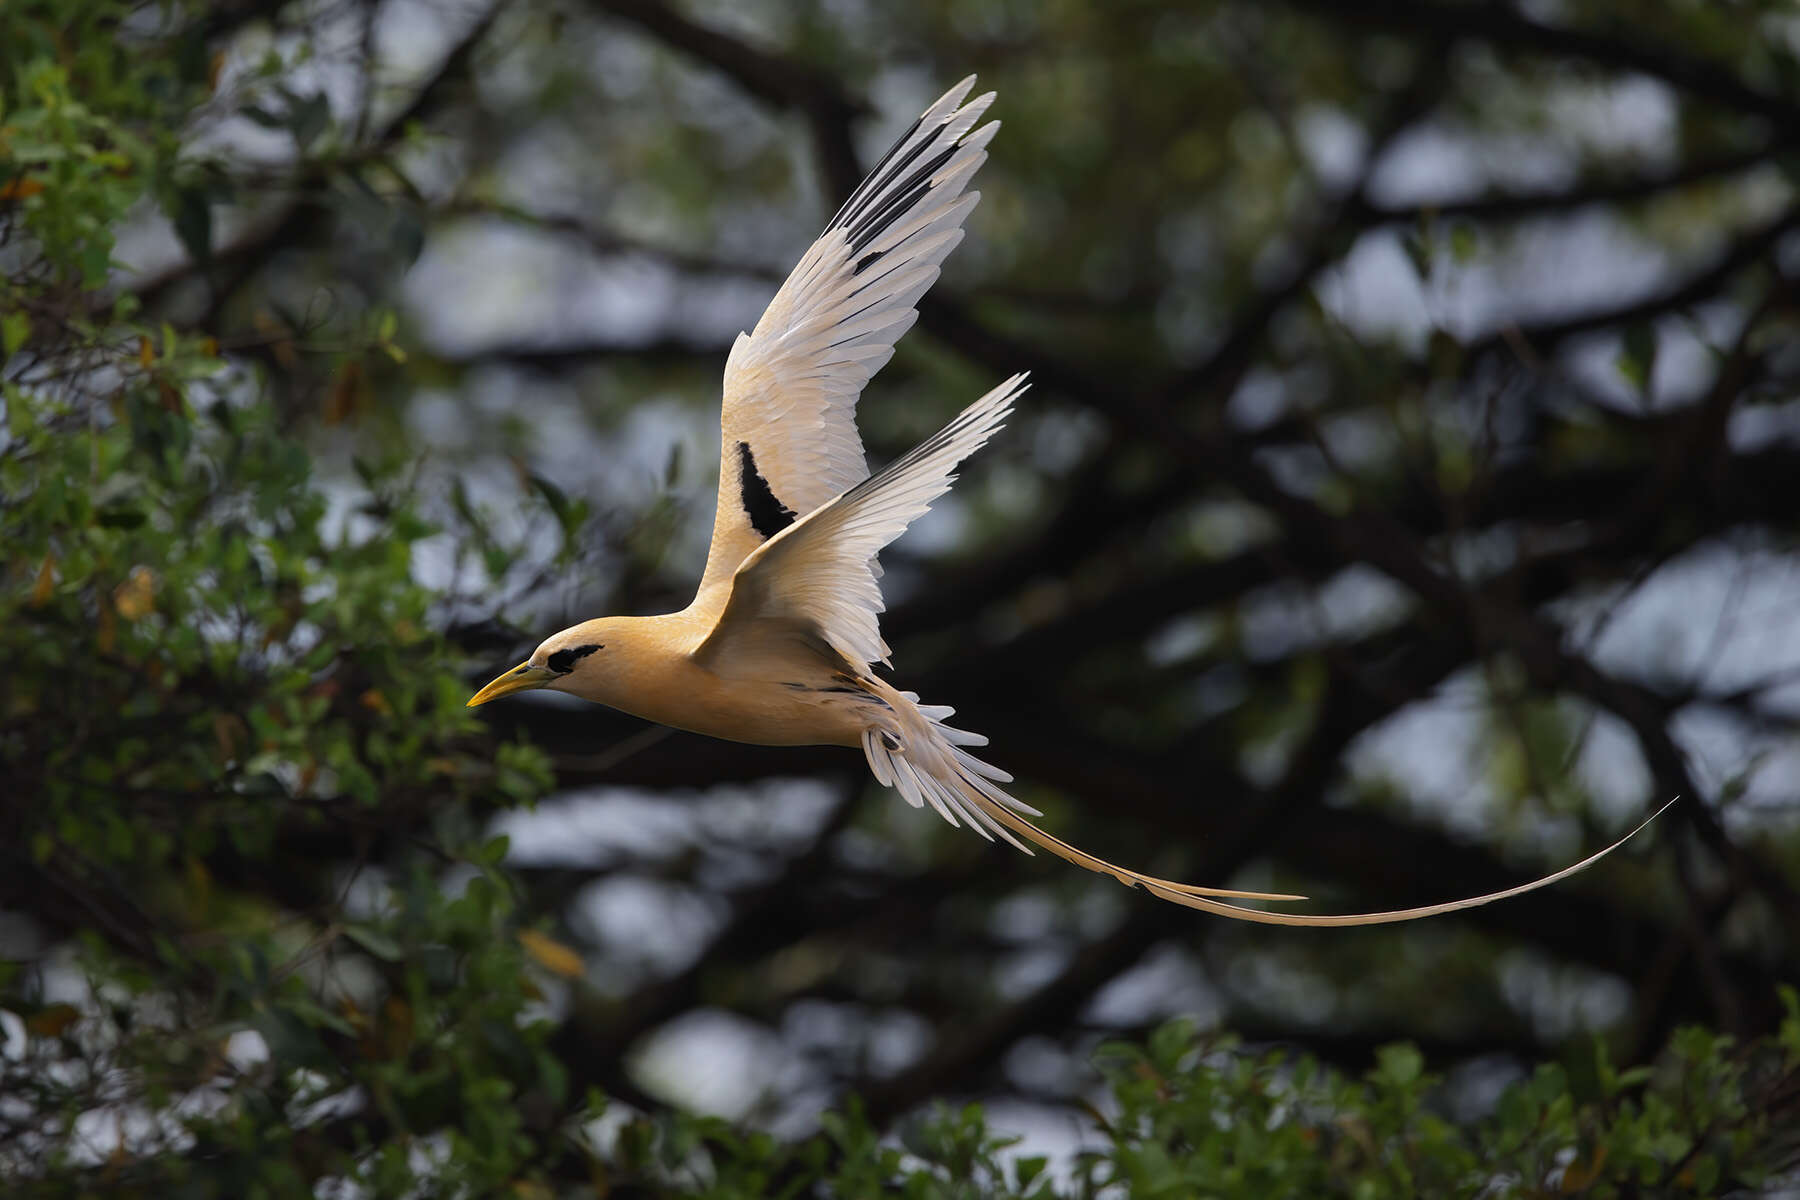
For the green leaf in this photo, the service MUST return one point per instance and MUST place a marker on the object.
(1790, 1021)
(121, 516)
(262, 116)
(1419, 249)
(1399, 1063)
(15, 327)
(375, 942)
(1706, 1174)
(308, 118)
(1464, 242)
(407, 237)
(1637, 355)
(554, 496)
(1026, 1168)
(193, 223)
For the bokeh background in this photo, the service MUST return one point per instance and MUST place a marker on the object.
(1405, 506)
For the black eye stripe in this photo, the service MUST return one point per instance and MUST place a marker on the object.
(563, 661)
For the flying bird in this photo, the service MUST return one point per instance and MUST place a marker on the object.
(778, 645)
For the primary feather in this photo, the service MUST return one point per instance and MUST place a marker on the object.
(791, 384)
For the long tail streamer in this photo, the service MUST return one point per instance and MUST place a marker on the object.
(926, 762)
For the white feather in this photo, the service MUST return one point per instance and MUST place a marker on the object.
(791, 385)
(816, 572)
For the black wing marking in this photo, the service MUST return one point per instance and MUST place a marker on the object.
(768, 516)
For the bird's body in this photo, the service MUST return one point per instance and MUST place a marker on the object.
(767, 695)
(778, 645)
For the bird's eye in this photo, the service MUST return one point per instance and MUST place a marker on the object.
(563, 661)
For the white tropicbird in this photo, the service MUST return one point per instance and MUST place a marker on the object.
(778, 643)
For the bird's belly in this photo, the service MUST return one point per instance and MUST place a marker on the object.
(776, 713)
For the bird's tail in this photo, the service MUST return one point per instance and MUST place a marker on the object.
(911, 749)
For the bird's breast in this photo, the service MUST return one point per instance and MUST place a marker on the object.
(809, 709)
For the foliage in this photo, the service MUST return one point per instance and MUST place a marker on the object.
(1192, 1116)
(212, 649)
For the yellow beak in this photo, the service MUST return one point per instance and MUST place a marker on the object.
(521, 678)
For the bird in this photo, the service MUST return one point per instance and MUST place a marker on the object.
(779, 644)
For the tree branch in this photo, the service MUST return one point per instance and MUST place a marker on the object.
(1501, 25)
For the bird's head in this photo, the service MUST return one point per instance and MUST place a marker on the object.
(562, 663)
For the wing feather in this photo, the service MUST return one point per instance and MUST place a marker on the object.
(820, 574)
(791, 384)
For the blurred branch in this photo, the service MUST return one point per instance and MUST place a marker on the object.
(1518, 205)
(1212, 381)
(1701, 454)
(968, 1049)
(1648, 714)
(772, 78)
(1501, 24)
(558, 359)
(1750, 248)
(300, 217)
(775, 79)
(603, 242)
(772, 917)
(223, 19)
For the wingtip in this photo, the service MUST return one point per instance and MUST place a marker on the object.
(974, 108)
(979, 138)
(949, 104)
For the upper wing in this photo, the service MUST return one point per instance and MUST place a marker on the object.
(788, 430)
(819, 574)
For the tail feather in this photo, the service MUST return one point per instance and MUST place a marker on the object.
(923, 758)
(878, 759)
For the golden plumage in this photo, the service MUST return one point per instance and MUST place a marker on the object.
(778, 643)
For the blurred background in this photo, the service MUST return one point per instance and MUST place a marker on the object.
(1404, 507)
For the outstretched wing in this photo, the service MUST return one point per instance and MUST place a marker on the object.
(788, 429)
(818, 577)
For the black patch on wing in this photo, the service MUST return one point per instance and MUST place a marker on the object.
(768, 516)
(563, 661)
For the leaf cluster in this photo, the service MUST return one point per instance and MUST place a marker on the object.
(1189, 1115)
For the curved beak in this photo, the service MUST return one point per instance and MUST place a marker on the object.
(521, 678)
